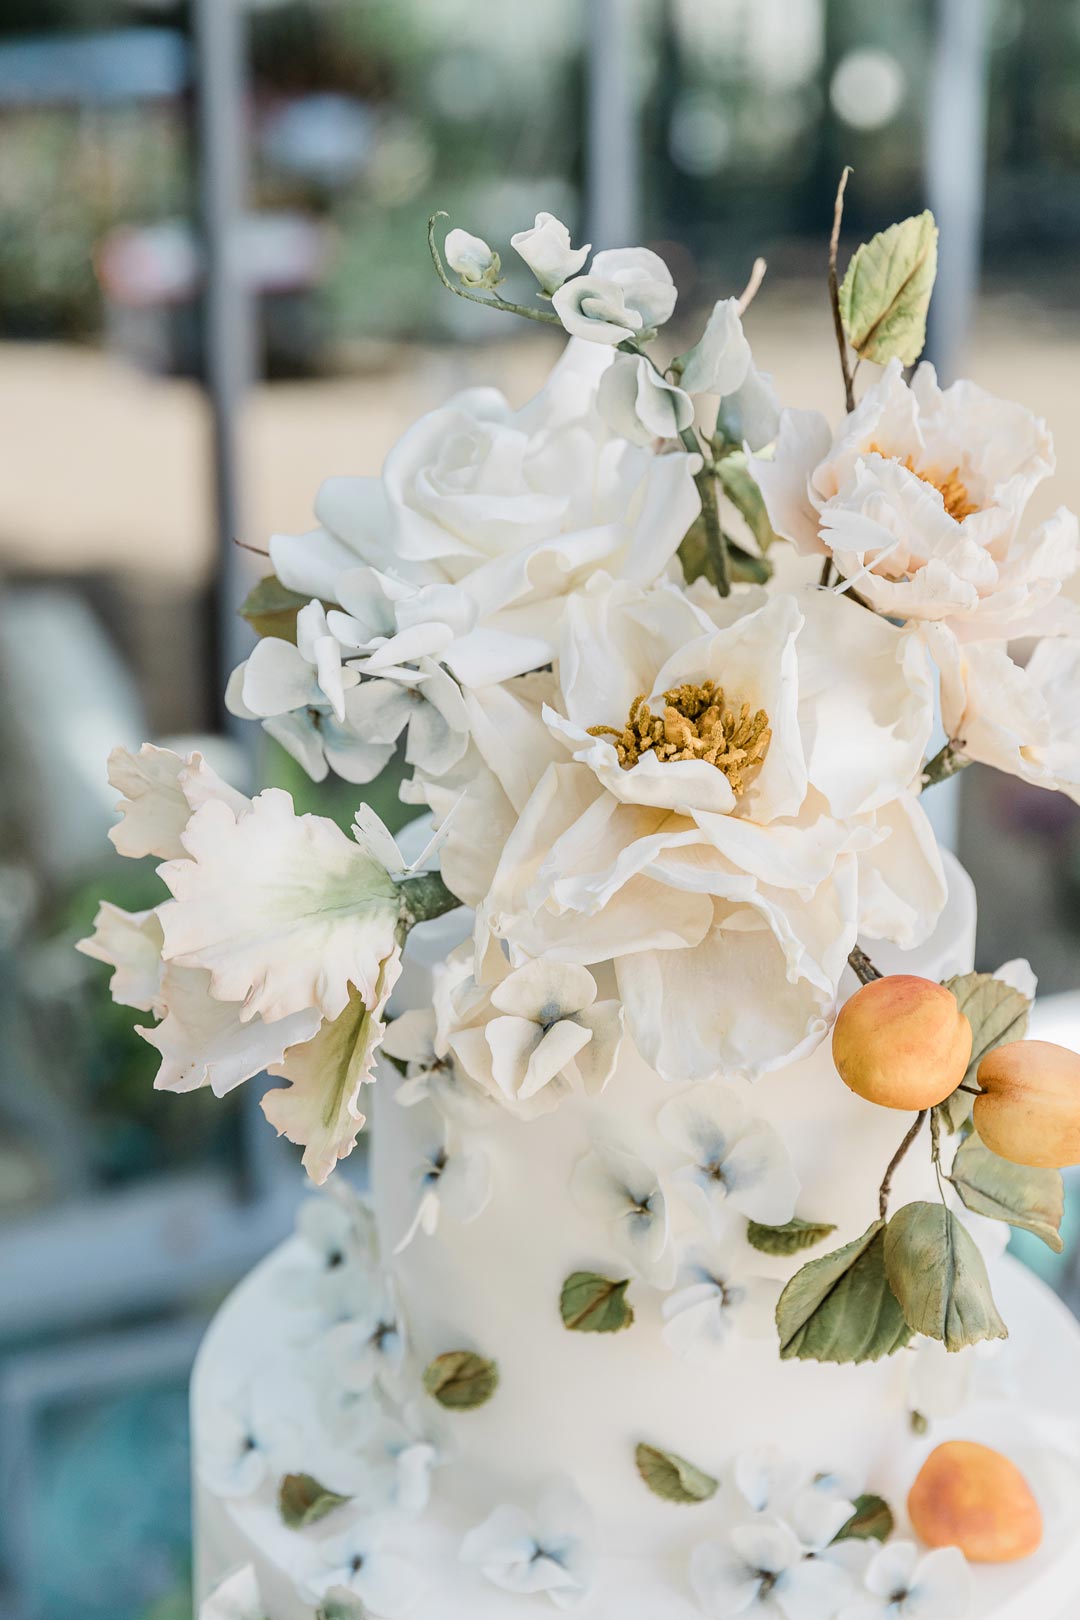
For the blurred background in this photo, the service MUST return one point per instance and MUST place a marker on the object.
(215, 291)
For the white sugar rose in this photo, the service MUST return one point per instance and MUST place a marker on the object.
(547, 252)
(726, 794)
(919, 499)
(483, 521)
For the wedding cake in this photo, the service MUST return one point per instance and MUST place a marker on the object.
(678, 1289)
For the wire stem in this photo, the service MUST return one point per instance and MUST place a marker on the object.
(834, 292)
(895, 1162)
(547, 316)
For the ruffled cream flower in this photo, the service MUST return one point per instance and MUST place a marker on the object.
(726, 785)
(920, 499)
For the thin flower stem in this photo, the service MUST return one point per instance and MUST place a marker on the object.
(862, 967)
(834, 292)
(895, 1162)
(826, 573)
(547, 316)
(750, 291)
(260, 551)
(945, 763)
(422, 897)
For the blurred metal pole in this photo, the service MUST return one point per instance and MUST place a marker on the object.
(956, 171)
(612, 137)
(955, 187)
(228, 330)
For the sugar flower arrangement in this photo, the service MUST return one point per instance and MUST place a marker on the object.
(673, 794)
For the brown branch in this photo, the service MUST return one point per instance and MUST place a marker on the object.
(862, 967)
(260, 551)
(834, 292)
(894, 1164)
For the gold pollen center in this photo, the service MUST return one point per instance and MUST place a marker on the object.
(949, 485)
(694, 725)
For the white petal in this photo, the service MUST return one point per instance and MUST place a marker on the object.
(545, 991)
(803, 443)
(465, 1185)
(724, 1582)
(942, 1589)
(592, 308)
(160, 792)
(389, 1584)
(278, 679)
(130, 942)
(812, 1590)
(719, 361)
(237, 1598)
(595, 1064)
(547, 252)
(285, 911)
(892, 1569)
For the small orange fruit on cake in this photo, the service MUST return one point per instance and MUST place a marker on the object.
(969, 1496)
(1030, 1108)
(902, 1042)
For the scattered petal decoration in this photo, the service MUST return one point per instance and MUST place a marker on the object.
(716, 1295)
(453, 1177)
(237, 1598)
(319, 1109)
(763, 1566)
(901, 1585)
(359, 1561)
(547, 1551)
(731, 1158)
(247, 1437)
(284, 911)
(616, 1188)
(160, 791)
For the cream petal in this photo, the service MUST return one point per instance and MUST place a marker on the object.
(160, 791)
(278, 678)
(902, 885)
(130, 943)
(545, 991)
(720, 359)
(285, 911)
(304, 741)
(802, 443)
(595, 1063)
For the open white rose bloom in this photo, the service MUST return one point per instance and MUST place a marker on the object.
(648, 1313)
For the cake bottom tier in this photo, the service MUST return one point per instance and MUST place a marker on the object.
(1031, 1411)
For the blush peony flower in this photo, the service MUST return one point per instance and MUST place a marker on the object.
(726, 791)
(919, 498)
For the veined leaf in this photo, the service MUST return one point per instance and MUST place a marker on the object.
(939, 1277)
(791, 1238)
(989, 1185)
(271, 608)
(841, 1308)
(673, 1478)
(997, 1013)
(594, 1304)
(872, 1520)
(741, 489)
(461, 1380)
(303, 1501)
(885, 294)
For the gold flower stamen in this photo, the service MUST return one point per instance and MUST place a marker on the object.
(694, 725)
(949, 485)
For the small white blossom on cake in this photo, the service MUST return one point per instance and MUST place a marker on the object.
(359, 1561)
(369, 1346)
(249, 1435)
(431, 1075)
(451, 1178)
(336, 1249)
(547, 251)
(547, 1551)
(730, 1159)
(237, 1598)
(762, 1568)
(902, 1585)
(539, 1032)
(615, 1187)
(717, 1295)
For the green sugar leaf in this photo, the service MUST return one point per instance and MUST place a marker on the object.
(303, 1501)
(938, 1275)
(461, 1380)
(885, 294)
(841, 1308)
(872, 1520)
(791, 1238)
(673, 1478)
(271, 608)
(594, 1304)
(741, 489)
(997, 1013)
(989, 1185)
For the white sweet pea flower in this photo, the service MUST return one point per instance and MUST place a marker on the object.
(594, 308)
(716, 1296)
(247, 1437)
(730, 1160)
(1022, 719)
(426, 704)
(360, 1562)
(919, 498)
(548, 1551)
(715, 846)
(539, 1032)
(484, 521)
(285, 912)
(623, 1194)
(161, 790)
(452, 1178)
(901, 1585)
(471, 259)
(637, 401)
(644, 279)
(762, 1568)
(547, 252)
(720, 359)
(237, 1598)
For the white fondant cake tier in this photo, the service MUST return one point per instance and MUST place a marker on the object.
(1041, 1432)
(576, 1405)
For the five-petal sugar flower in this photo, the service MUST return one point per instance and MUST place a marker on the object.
(483, 522)
(547, 1551)
(452, 1176)
(361, 1561)
(730, 1160)
(717, 1294)
(719, 804)
(902, 1585)
(615, 1187)
(248, 1436)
